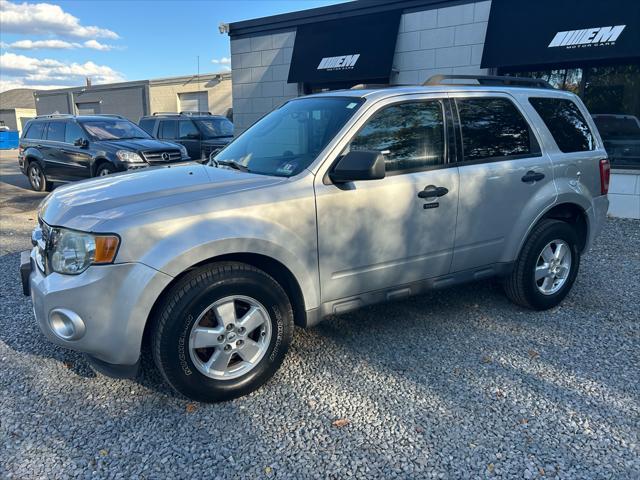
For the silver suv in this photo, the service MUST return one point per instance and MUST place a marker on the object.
(331, 202)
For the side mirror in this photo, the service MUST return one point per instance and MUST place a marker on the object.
(358, 165)
(81, 142)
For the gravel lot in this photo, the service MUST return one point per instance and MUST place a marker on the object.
(454, 384)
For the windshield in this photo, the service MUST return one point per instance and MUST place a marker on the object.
(287, 140)
(215, 127)
(611, 126)
(113, 129)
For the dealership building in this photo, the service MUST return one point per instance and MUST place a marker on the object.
(203, 93)
(590, 47)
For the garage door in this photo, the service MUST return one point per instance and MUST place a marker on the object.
(193, 102)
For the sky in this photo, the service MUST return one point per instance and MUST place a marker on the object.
(57, 44)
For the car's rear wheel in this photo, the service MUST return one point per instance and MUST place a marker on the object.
(37, 178)
(222, 331)
(104, 169)
(546, 268)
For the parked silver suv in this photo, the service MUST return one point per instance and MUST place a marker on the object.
(331, 202)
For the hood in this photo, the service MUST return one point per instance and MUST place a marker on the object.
(84, 205)
(138, 144)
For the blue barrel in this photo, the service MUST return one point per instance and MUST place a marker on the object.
(9, 139)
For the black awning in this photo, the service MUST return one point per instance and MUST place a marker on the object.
(561, 33)
(358, 49)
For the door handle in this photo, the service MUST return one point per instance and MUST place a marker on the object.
(532, 176)
(431, 191)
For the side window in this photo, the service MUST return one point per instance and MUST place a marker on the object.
(147, 125)
(566, 123)
(167, 129)
(35, 131)
(411, 135)
(493, 128)
(55, 131)
(187, 130)
(73, 132)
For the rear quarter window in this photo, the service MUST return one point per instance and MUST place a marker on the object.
(566, 123)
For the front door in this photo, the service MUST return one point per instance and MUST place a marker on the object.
(189, 137)
(378, 234)
(501, 170)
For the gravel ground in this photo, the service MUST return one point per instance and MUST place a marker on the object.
(454, 384)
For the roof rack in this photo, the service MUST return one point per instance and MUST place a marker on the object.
(196, 113)
(55, 115)
(489, 80)
(165, 113)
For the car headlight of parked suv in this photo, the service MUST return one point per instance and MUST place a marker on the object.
(129, 157)
(183, 152)
(72, 252)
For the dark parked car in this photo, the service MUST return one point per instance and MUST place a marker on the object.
(621, 137)
(64, 148)
(201, 133)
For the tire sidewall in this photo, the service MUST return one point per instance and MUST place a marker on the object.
(555, 231)
(178, 366)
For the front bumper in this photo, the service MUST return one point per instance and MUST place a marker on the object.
(112, 301)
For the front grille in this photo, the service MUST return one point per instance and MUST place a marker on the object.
(40, 239)
(162, 156)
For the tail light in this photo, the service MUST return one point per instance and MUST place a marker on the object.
(605, 176)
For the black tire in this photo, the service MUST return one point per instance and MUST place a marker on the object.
(104, 169)
(521, 287)
(183, 305)
(37, 178)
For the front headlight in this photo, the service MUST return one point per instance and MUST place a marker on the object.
(129, 157)
(183, 151)
(73, 252)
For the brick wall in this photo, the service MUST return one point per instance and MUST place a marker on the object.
(260, 70)
(441, 41)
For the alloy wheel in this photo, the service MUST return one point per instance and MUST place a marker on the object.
(553, 267)
(230, 337)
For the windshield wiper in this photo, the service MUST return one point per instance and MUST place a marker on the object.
(235, 165)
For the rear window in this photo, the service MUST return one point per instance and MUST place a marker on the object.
(35, 130)
(566, 123)
(493, 128)
(147, 125)
(55, 131)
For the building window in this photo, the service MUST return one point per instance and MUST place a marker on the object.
(612, 95)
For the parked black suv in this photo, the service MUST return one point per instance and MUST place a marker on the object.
(201, 133)
(64, 148)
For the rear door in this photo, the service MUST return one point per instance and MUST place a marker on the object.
(189, 136)
(52, 143)
(76, 157)
(384, 234)
(505, 179)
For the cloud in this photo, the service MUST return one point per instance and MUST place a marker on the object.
(23, 71)
(222, 61)
(46, 19)
(55, 45)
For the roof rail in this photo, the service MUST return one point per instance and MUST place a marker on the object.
(195, 113)
(489, 80)
(165, 113)
(55, 115)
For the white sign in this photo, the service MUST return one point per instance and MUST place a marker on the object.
(587, 37)
(341, 62)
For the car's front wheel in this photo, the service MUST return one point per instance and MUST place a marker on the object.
(37, 178)
(222, 331)
(546, 268)
(104, 170)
